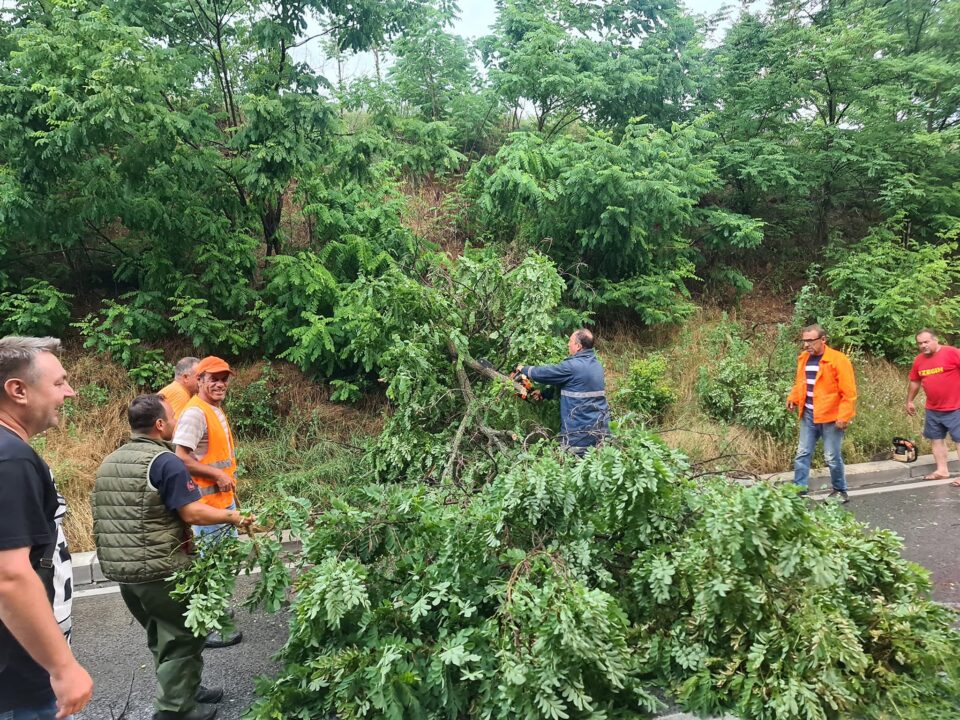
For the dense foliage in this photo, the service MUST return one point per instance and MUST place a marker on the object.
(185, 151)
(180, 170)
(568, 589)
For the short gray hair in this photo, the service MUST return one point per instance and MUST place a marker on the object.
(926, 331)
(584, 337)
(185, 365)
(814, 328)
(18, 353)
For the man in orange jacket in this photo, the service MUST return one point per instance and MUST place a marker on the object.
(824, 395)
(204, 441)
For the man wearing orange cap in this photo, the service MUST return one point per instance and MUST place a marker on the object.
(204, 442)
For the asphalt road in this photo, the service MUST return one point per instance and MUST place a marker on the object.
(927, 517)
(113, 647)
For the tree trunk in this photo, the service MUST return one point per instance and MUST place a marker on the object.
(273, 211)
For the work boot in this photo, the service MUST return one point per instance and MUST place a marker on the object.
(200, 712)
(216, 639)
(209, 695)
(840, 495)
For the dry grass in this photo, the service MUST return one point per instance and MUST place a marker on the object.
(94, 424)
(881, 386)
(686, 427)
(430, 213)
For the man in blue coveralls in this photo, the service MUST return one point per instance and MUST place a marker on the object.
(584, 414)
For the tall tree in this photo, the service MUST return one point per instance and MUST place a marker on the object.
(564, 61)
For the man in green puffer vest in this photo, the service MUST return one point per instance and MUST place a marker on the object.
(144, 503)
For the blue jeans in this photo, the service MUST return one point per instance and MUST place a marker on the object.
(211, 533)
(810, 432)
(41, 712)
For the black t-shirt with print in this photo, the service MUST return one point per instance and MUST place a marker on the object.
(29, 508)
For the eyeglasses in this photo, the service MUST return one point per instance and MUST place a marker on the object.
(805, 341)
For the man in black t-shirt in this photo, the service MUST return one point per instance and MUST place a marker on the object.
(144, 503)
(39, 676)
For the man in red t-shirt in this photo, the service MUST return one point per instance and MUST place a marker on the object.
(937, 370)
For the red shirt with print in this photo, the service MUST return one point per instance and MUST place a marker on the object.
(939, 375)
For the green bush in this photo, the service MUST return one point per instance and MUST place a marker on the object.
(884, 289)
(121, 329)
(646, 390)
(253, 407)
(744, 387)
(618, 210)
(38, 309)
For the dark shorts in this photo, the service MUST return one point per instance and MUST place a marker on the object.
(936, 424)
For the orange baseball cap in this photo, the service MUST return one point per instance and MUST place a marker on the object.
(212, 364)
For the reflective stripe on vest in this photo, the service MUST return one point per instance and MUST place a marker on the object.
(590, 394)
(220, 454)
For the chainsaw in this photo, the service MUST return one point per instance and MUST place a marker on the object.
(525, 391)
(904, 450)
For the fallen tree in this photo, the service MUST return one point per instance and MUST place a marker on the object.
(472, 569)
(575, 589)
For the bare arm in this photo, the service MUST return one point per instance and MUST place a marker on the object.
(198, 469)
(26, 613)
(199, 513)
(912, 391)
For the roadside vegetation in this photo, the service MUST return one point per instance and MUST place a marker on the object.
(175, 179)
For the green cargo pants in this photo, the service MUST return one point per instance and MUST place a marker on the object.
(176, 652)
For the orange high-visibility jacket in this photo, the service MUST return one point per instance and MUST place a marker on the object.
(221, 453)
(834, 390)
(178, 397)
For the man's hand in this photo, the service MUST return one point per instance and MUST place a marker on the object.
(536, 396)
(911, 408)
(73, 687)
(791, 406)
(225, 483)
(842, 424)
(245, 521)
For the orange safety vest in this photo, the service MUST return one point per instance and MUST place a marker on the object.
(178, 397)
(221, 453)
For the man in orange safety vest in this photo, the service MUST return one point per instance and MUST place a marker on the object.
(204, 442)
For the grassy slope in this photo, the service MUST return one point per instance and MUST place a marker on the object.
(313, 441)
(880, 416)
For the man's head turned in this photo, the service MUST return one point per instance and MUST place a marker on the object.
(151, 415)
(927, 342)
(580, 339)
(185, 373)
(813, 339)
(33, 383)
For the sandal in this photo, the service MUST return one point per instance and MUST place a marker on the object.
(937, 476)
